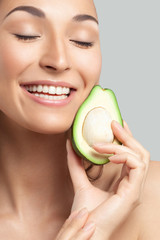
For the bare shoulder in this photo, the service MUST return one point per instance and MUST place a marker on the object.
(149, 210)
(144, 222)
(151, 195)
(154, 167)
(152, 185)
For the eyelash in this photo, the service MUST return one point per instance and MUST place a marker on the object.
(79, 43)
(83, 44)
(25, 37)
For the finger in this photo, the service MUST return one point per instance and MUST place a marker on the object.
(135, 145)
(76, 169)
(111, 148)
(137, 167)
(126, 127)
(86, 232)
(122, 135)
(75, 221)
(74, 227)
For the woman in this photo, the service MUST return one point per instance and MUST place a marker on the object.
(49, 61)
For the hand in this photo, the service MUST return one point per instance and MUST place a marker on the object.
(75, 228)
(107, 209)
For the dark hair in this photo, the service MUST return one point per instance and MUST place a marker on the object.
(89, 171)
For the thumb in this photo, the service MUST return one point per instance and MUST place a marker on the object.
(76, 169)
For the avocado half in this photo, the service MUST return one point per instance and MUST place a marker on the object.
(92, 124)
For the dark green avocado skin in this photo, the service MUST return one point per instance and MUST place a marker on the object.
(72, 135)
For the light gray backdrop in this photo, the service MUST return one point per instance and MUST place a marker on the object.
(130, 43)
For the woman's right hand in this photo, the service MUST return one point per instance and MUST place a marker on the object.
(76, 228)
(111, 207)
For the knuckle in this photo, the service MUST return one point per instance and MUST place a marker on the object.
(127, 139)
(147, 154)
(137, 202)
(127, 156)
(142, 165)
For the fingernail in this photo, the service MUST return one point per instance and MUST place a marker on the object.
(112, 157)
(99, 144)
(82, 213)
(89, 226)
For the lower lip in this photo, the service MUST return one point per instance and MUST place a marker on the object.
(50, 103)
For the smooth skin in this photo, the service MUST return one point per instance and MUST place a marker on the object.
(42, 180)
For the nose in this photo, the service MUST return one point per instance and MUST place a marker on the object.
(54, 56)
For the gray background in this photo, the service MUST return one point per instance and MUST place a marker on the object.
(130, 44)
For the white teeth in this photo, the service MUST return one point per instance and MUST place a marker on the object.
(34, 89)
(59, 90)
(50, 97)
(66, 90)
(45, 89)
(39, 88)
(41, 95)
(52, 90)
(30, 88)
(48, 89)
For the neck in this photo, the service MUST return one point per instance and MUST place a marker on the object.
(34, 175)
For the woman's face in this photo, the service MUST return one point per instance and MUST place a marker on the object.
(48, 47)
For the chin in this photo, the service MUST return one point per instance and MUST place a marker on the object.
(52, 123)
(51, 128)
(38, 122)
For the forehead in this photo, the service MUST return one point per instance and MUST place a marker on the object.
(52, 7)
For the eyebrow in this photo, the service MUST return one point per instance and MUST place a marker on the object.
(32, 10)
(39, 13)
(84, 17)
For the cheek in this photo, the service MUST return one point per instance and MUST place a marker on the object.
(88, 63)
(13, 60)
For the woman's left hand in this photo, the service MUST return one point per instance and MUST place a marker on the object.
(107, 209)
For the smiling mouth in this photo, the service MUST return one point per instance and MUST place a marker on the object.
(49, 92)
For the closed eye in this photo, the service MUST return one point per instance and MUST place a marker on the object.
(83, 44)
(33, 37)
(26, 37)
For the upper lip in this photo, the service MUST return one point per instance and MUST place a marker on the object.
(49, 83)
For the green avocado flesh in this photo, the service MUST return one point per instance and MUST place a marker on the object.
(92, 124)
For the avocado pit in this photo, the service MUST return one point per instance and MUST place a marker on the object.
(97, 127)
